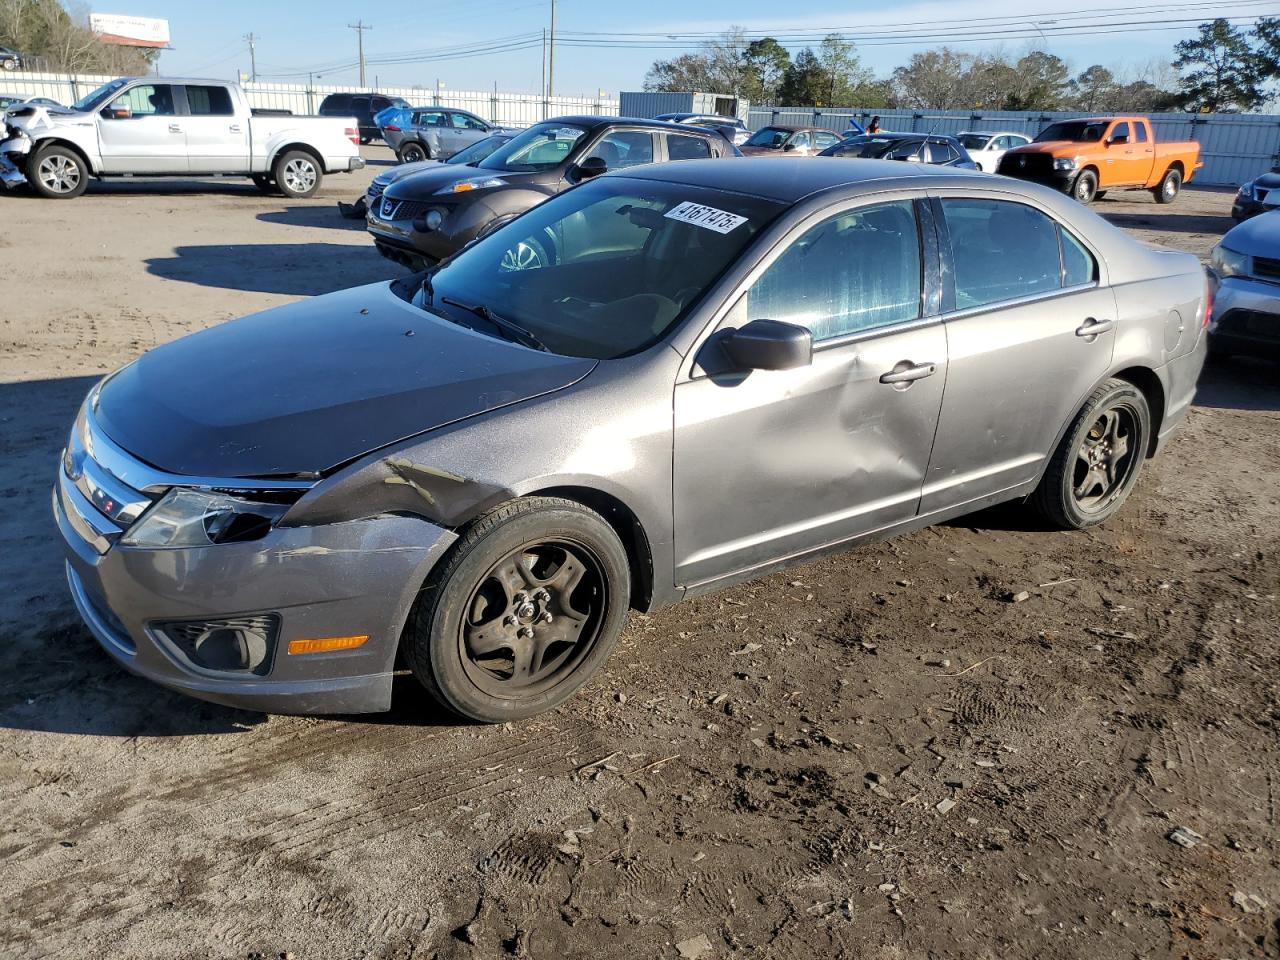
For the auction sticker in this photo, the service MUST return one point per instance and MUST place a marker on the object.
(721, 221)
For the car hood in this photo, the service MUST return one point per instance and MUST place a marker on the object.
(33, 119)
(1268, 180)
(1057, 148)
(1258, 236)
(304, 388)
(422, 186)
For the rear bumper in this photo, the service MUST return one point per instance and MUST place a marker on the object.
(344, 579)
(1180, 377)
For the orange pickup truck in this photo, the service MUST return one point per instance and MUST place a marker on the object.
(1088, 157)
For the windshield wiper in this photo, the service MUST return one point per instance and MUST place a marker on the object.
(514, 331)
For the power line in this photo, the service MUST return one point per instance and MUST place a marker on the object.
(360, 27)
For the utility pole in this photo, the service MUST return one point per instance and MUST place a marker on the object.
(253, 56)
(360, 27)
(551, 61)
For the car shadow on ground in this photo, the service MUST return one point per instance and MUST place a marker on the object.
(1157, 219)
(295, 269)
(1239, 383)
(325, 216)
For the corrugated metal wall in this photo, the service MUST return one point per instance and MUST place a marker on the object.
(517, 109)
(1234, 147)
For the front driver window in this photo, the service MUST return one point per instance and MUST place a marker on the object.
(147, 100)
(856, 271)
(624, 148)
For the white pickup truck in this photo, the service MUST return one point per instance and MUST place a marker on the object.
(149, 126)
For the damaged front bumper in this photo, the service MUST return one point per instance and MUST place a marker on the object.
(13, 159)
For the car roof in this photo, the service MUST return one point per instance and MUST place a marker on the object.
(787, 179)
(586, 120)
(992, 133)
(795, 127)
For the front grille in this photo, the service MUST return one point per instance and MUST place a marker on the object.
(1028, 166)
(1250, 323)
(236, 645)
(1265, 268)
(393, 209)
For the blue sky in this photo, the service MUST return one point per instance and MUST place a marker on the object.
(296, 37)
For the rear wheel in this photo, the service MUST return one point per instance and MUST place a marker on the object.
(297, 174)
(1098, 460)
(1085, 188)
(413, 152)
(522, 612)
(57, 172)
(1169, 187)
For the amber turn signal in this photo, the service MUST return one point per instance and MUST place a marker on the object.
(326, 644)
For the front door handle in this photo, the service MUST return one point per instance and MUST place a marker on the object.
(1090, 329)
(904, 373)
(235, 128)
(174, 128)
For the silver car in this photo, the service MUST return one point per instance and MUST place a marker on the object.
(717, 370)
(437, 133)
(1246, 307)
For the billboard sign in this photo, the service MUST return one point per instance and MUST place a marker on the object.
(130, 31)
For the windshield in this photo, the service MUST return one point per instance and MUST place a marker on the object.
(541, 147)
(478, 150)
(771, 137)
(604, 269)
(92, 100)
(1078, 131)
(867, 148)
(973, 141)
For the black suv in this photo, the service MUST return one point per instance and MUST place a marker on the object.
(363, 107)
(428, 216)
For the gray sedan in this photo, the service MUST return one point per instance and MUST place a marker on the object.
(717, 370)
(435, 133)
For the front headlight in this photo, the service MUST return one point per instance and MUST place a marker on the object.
(1245, 192)
(465, 185)
(195, 518)
(1228, 263)
(1064, 163)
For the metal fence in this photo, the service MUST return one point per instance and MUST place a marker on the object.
(516, 109)
(1234, 147)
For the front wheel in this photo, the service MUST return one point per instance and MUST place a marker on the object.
(57, 172)
(413, 153)
(1098, 460)
(265, 183)
(1169, 187)
(525, 608)
(1086, 187)
(297, 174)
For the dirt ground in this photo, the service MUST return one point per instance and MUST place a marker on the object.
(876, 755)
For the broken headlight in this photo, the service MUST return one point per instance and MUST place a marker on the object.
(196, 518)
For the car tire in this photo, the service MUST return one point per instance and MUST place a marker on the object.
(1169, 187)
(1085, 188)
(413, 152)
(265, 183)
(57, 172)
(297, 174)
(9, 63)
(1087, 479)
(523, 610)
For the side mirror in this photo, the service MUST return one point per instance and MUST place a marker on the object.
(591, 167)
(123, 112)
(769, 345)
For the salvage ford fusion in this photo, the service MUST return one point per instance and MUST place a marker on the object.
(651, 386)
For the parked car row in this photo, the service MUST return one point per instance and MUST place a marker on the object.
(432, 133)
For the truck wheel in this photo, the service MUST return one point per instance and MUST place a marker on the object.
(57, 172)
(1086, 186)
(265, 184)
(297, 174)
(413, 152)
(1169, 187)
(1098, 460)
(524, 609)
(8, 63)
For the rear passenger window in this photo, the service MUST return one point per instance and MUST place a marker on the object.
(680, 147)
(1078, 266)
(1003, 250)
(856, 271)
(1140, 130)
(209, 102)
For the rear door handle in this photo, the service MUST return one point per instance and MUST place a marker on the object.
(905, 372)
(235, 128)
(1090, 329)
(174, 128)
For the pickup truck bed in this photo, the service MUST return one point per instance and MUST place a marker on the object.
(151, 126)
(1090, 156)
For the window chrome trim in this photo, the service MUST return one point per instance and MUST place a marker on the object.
(1019, 301)
(142, 477)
